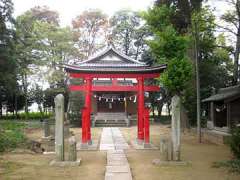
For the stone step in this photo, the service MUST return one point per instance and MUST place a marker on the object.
(111, 124)
(110, 121)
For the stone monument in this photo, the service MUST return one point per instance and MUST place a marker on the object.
(176, 127)
(59, 138)
(59, 124)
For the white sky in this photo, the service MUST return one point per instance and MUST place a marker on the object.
(69, 9)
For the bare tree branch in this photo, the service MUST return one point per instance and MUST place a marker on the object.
(226, 29)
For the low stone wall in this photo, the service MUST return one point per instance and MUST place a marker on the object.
(213, 136)
(133, 120)
(216, 137)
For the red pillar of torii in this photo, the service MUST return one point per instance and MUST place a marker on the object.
(140, 109)
(87, 119)
(140, 88)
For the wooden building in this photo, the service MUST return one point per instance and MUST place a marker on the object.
(114, 86)
(224, 109)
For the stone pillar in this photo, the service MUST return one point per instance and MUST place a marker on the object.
(72, 153)
(140, 109)
(46, 128)
(164, 153)
(59, 132)
(176, 130)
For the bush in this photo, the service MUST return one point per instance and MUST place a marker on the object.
(235, 142)
(29, 116)
(232, 165)
(11, 135)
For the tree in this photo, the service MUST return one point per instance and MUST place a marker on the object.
(90, 29)
(168, 46)
(37, 95)
(8, 80)
(128, 33)
(182, 17)
(232, 18)
(26, 44)
(42, 45)
(44, 14)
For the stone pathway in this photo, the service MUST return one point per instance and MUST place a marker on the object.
(114, 143)
(111, 139)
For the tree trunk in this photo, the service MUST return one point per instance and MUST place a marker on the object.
(236, 58)
(169, 109)
(153, 113)
(15, 104)
(196, 34)
(24, 81)
(160, 110)
(0, 103)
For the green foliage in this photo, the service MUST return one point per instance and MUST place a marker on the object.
(181, 18)
(177, 75)
(28, 116)
(89, 29)
(128, 34)
(168, 46)
(11, 135)
(232, 165)
(231, 26)
(8, 79)
(163, 119)
(235, 142)
(75, 104)
(158, 17)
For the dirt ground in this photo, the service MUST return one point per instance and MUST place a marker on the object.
(201, 157)
(29, 166)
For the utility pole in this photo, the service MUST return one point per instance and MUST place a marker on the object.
(197, 83)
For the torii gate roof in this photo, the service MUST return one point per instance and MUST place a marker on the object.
(112, 61)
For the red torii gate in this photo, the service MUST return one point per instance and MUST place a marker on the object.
(112, 64)
(88, 88)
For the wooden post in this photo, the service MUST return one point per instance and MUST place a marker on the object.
(84, 126)
(146, 126)
(229, 115)
(212, 113)
(87, 113)
(140, 109)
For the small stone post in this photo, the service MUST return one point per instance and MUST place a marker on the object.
(72, 154)
(164, 149)
(176, 130)
(46, 128)
(59, 127)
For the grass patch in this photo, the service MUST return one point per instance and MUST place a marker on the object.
(11, 135)
(28, 116)
(7, 167)
(231, 165)
(163, 119)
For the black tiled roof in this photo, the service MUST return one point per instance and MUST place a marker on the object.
(224, 94)
(112, 61)
(71, 68)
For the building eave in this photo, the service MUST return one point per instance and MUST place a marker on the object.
(97, 56)
(102, 70)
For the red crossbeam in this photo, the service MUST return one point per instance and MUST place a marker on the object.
(83, 75)
(112, 88)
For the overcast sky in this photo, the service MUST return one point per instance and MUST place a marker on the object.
(69, 9)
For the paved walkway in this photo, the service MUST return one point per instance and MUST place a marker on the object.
(114, 143)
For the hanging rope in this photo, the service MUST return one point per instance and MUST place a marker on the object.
(115, 98)
(221, 108)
